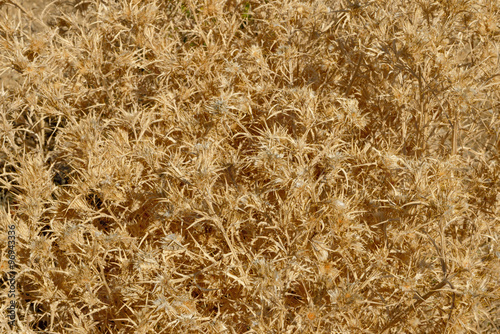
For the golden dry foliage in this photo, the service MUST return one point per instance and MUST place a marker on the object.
(253, 166)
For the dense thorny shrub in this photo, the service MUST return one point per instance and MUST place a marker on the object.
(253, 166)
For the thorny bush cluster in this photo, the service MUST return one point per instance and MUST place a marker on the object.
(253, 166)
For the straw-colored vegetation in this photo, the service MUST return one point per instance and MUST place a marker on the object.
(252, 166)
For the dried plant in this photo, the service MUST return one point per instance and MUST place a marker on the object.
(251, 166)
